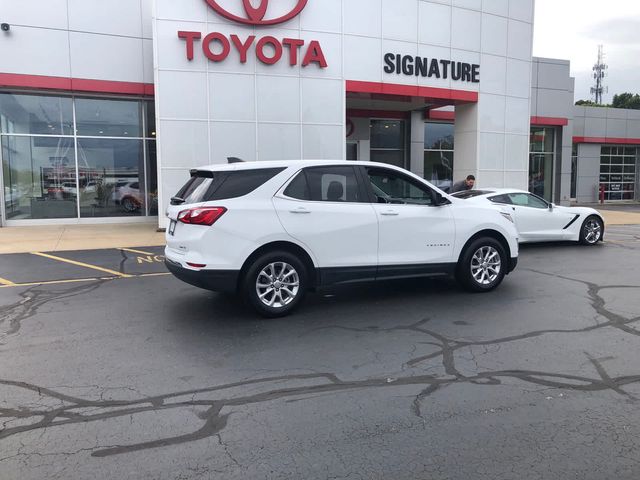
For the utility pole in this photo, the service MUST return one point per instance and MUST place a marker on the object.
(599, 72)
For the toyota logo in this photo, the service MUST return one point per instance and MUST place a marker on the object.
(256, 15)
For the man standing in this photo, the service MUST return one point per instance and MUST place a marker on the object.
(462, 185)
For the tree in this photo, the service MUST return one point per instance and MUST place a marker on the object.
(626, 100)
(589, 103)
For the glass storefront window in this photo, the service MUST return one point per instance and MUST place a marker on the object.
(39, 177)
(438, 136)
(541, 140)
(438, 155)
(111, 174)
(541, 161)
(99, 167)
(108, 118)
(574, 170)
(152, 178)
(35, 114)
(150, 119)
(618, 166)
(387, 142)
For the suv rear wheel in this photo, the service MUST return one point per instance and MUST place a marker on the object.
(275, 283)
(483, 265)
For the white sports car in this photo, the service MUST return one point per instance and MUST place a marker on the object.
(540, 221)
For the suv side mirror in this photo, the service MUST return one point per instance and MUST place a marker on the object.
(438, 199)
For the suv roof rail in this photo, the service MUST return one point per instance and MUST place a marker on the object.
(234, 160)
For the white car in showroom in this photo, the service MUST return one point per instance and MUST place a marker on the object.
(275, 230)
(538, 220)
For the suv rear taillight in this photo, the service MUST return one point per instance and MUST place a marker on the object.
(201, 216)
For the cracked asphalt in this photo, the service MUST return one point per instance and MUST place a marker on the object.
(125, 372)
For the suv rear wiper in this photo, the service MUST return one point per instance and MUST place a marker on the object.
(177, 201)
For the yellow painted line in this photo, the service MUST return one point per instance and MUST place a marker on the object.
(80, 280)
(82, 264)
(136, 251)
(6, 282)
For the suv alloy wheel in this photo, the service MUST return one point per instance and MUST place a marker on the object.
(483, 265)
(275, 283)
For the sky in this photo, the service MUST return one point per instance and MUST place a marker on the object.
(573, 29)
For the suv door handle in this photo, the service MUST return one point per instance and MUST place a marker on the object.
(300, 210)
(389, 213)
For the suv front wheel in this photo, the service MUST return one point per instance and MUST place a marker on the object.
(483, 265)
(275, 283)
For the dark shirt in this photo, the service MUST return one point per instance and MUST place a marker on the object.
(460, 186)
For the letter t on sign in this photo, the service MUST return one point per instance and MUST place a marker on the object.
(189, 37)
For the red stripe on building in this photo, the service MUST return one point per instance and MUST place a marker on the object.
(43, 82)
(549, 121)
(460, 96)
(623, 141)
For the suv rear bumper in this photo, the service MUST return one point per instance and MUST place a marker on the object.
(214, 280)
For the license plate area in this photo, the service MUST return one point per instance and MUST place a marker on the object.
(172, 227)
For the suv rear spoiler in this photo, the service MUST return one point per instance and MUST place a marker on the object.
(234, 160)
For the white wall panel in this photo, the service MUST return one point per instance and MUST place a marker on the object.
(35, 13)
(434, 24)
(106, 57)
(315, 108)
(322, 142)
(232, 139)
(183, 95)
(400, 20)
(192, 149)
(232, 97)
(278, 99)
(465, 29)
(47, 52)
(279, 141)
(114, 17)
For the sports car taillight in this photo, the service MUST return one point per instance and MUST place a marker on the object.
(201, 216)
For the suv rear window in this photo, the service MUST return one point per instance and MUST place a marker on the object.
(207, 186)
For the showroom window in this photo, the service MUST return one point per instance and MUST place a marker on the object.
(618, 167)
(541, 160)
(438, 154)
(70, 157)
(574, 170)
(387, 142)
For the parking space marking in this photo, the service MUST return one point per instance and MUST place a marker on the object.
(82, 264)
(6, 282)
(136, 251)
(80, 280)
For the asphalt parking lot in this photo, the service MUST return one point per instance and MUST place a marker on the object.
(110, 368)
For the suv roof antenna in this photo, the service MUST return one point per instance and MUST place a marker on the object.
(234, 160)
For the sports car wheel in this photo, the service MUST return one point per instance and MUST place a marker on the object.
(591, 230)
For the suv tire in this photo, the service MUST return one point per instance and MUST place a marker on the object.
(482, 265)
(275, 283)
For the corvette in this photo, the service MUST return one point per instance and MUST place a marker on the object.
(538, 220)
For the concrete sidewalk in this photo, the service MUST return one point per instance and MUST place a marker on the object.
(57, 238)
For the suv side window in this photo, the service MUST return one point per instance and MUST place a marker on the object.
(393, 187)
(527, 200)
(325, 184)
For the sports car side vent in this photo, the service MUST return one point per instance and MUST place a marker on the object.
(571, 222)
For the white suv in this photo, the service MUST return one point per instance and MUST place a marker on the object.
(274, 230)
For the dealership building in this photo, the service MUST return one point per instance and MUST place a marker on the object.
(105, 106)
